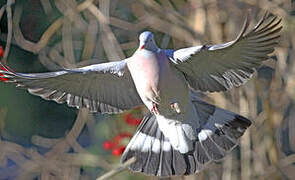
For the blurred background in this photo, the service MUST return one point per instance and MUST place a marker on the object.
(44, 140)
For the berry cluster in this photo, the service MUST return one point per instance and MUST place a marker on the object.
(131, 120)
(118, 143)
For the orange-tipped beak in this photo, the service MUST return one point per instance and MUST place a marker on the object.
(141, 47)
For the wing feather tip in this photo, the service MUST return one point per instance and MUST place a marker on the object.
(244, 28)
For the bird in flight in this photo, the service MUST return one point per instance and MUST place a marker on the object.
(181, 133)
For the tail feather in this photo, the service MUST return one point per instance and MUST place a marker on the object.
(218, 134)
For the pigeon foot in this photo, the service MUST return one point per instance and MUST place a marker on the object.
(175, 107)
(155, 109)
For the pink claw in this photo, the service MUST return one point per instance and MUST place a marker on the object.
(175, 107)
(155, 109)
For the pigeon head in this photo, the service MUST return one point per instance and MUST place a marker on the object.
(147, 41)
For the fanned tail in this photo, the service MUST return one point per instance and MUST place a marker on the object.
(219, 133)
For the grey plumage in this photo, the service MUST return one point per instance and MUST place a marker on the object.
(223, 139)
(106, 88)
(182, 133)
(223, 66)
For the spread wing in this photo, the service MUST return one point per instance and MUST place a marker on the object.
(106, 87)
(220, 67)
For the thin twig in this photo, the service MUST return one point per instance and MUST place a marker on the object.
(9, 24)
(118, 169)
(281, 164)
(111, 45)
(2, 9)
(46, 36)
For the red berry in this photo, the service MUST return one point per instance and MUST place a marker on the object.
(118, 151)
(137, 121)
(107, 145)
(129, 119)
(1, 51)
(127, 116)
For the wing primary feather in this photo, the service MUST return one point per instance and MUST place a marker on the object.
(269, 25)
(97, 83)
(244, 28)
(265, 34)
(260, 22)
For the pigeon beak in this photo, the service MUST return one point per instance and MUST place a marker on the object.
(141, 47)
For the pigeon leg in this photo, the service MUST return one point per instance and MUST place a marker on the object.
(155, 109)
(175, 106)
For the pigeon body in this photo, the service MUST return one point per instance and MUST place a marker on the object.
(182, 133)
(157, 82)
(152, 75)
